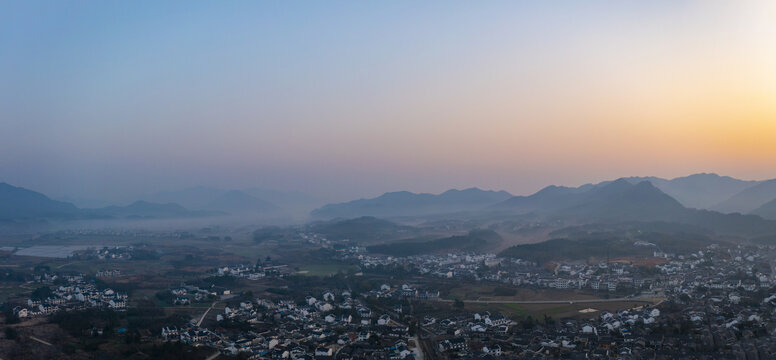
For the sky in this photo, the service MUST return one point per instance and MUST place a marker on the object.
(112, 99)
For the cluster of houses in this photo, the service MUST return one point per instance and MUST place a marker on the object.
(405, 291)
(75, 294)
(187, 294)
(726, 296)
(640, 333)
(108, 273)
(107, 253)
(255, 272)
(605, 276)
(334, 325)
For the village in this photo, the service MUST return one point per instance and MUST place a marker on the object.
(719, 300)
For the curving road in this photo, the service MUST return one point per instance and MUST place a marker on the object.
(205, 314)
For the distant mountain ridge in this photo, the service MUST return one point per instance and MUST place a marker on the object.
(705, 191)
(749, 199)
(615, 200)
(405, 203)
(620, 200)
(700, 191)
(146, 210)
(254, 200)
(238, 201)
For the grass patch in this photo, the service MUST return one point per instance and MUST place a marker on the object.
(325, 269)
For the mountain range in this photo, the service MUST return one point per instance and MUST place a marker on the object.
(700, 199)
(622, 201)
(750, 199)
(249, 201)
(700, 191)
(405, 203)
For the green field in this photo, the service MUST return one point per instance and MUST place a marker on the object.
(325, 269)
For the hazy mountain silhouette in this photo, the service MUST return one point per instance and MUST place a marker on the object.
(144, 209)
(749, 199)
(286, 199)
(192, 198)
(700, 191)
(20, 203)
(550, 198)
(85, 203)
(620, 200)
(235, 201)
(405, 203)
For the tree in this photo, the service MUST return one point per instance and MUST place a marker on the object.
(458, 304)
(41, 293)
(528, 322)
(10, 316)
(548, 320)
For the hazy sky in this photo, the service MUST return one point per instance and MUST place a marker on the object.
(108, 99)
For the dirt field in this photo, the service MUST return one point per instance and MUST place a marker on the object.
(557, 311)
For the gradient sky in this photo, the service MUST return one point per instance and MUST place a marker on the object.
(110, 99)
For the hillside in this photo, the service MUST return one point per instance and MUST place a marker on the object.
(623, 201)
(617, 200)
(767, 211)
(404, 203)
(549, 199)
(365, 229)
(602, 245)
(475, 240)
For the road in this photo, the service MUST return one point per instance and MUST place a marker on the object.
(211, 357)
(205, 314)
(41, 341)
(417, 349)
